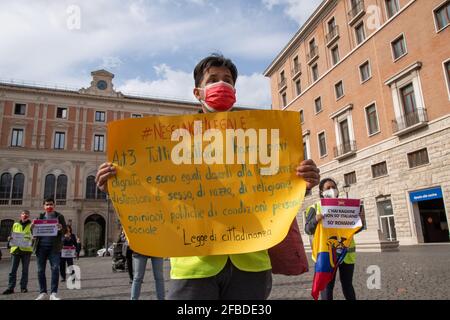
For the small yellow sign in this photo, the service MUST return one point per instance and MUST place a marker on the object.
(206, 184)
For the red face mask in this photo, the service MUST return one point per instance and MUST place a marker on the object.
(49, 209)
(219, 96)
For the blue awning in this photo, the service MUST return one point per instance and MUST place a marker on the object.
(423, 195)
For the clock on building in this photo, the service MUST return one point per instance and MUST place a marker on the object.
(102, 85)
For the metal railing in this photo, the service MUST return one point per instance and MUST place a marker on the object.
(344, 148)
(313, 52)
(409, 120)
(296, 69)
(358, 8)
(332, 34)
(282, 84)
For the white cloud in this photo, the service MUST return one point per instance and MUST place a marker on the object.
(253, 91)
(297, 10)
(38, 45)
(172, 84)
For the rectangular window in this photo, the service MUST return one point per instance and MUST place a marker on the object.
(17, 138)
(408, 99)
(284, 99)
(365, 72)
(282, 76)
(302, 119)
(61, 113)
(298, 87)
(135, 115)
(318, 104)
(350, 178)
(418, 158)
(20, 109)
(442, 16)
(345, 134)
(296, 68)
(372, 119)
(99, 116)
(392, 8)
(322, 144)
(335, 55)
(331, 25)
(60, 138)
(99, 143)
(312, 46)
(399, 47)
(379, 170)
(339, 90)
(315, 72)
(360, 33)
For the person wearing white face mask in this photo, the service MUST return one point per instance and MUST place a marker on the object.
(328, 189)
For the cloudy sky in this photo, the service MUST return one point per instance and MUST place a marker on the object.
(151, 46)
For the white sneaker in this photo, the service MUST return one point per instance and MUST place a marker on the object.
(42, 296)
(54, 297)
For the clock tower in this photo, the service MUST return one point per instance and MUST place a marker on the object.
(101, 84)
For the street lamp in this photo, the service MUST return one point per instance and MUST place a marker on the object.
(346, 188)
(107, 226)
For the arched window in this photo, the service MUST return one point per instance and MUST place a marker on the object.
(90, 187)
(17, 189)
(5, 188)
(49, 188)
(61, 190)
(92, 192)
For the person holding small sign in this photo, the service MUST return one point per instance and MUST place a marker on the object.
(328, 189)
(217, 277)
(21, 249)
(68, 252)
(48, 231)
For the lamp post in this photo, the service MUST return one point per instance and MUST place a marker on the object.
(107, 226)
(346, 188)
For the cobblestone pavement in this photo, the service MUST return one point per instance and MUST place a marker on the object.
(413, 272)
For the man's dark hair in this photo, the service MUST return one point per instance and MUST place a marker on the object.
(48, 200)
(214, 60)
(322, 183)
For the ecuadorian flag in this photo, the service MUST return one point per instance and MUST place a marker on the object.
(330, 243)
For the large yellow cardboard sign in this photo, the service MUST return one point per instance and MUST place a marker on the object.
(206, 184)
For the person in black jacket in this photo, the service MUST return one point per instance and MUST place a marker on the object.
(69, 240)
(49, 248)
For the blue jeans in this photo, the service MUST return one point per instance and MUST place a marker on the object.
(43, 254)
(15, 261)
(139, 264)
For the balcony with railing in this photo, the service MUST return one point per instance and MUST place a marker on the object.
(410, 122)
(313, 54)
(282, 84)
(332, 36)
(345, 150)
(356, 11)
(296, 70)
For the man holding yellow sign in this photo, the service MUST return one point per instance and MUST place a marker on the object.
(191, 188)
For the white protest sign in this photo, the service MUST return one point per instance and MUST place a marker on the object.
(341, 213)
(68, 252)
(45, 228)
(19, 239)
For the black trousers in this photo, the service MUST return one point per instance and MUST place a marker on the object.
(346, 276)
(62, 266)
(129, 258)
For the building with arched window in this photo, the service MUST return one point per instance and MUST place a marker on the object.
(51, 144)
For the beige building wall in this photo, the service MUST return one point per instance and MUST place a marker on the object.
(36, 157)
